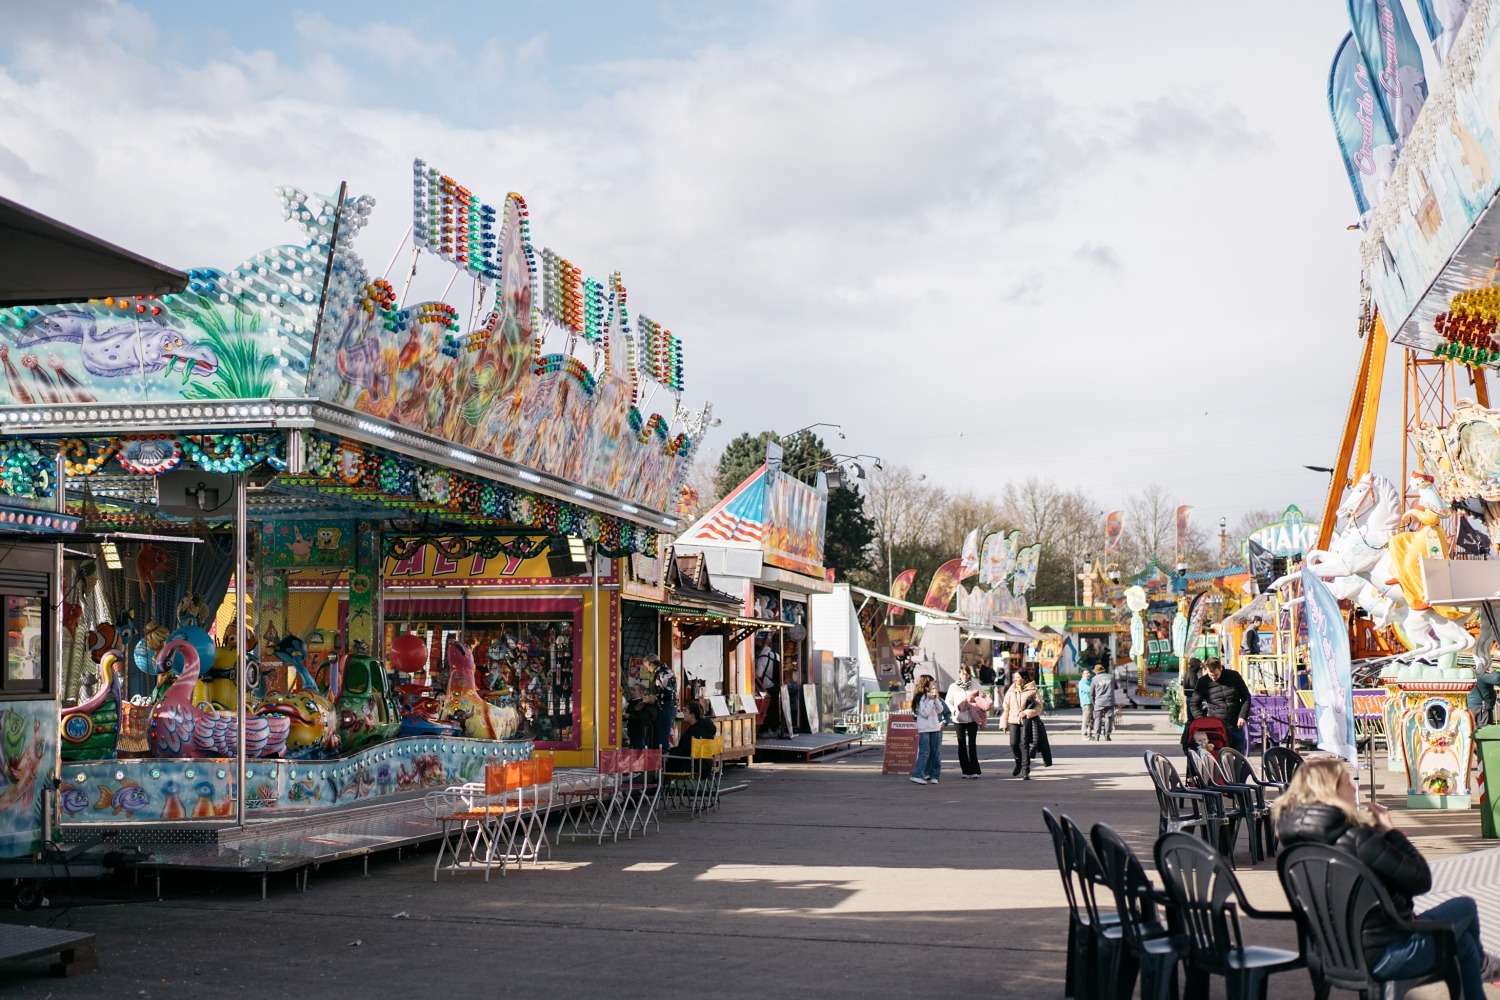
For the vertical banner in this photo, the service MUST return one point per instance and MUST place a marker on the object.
(1184, 528)
(901, 584)
(1114, 530)
(1443, 18)
(1390, 53)
(1026, 567)
(1333, 687)
(944, 583)
(969, 558)
(992, 559)
(1365, 142)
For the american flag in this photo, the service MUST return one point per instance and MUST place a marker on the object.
(739, 517)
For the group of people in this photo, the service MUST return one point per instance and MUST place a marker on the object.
(1100, 700)
(651, 713)
(967, 706)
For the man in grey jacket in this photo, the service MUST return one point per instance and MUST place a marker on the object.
(1102, 690)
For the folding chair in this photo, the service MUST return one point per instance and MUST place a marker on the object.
(470, 817)
(707, 771)
(546, 785)
(649, 765)
(586, 798)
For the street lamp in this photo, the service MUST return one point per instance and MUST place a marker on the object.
(1319, 468)
(799, 430)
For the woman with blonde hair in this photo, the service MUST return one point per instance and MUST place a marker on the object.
(1321, 806)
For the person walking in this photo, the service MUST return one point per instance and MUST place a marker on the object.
(1222, 694)
(928, 708)
(1106, 700)
(1320, 806)
(1086, 702)
(1481, 699)
(968, 703)
(1021, 713)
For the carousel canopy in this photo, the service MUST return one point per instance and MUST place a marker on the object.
(43, 261)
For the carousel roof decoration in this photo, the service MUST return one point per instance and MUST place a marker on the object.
(301, 337)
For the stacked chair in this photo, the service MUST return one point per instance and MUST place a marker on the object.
(501, 820)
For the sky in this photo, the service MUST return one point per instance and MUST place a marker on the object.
(1100, 242)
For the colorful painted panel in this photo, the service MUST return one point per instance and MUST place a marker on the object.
(28, 746)
(796, 516)
(1430, 239)
(482, 380)
(116, 791)
(288, 544)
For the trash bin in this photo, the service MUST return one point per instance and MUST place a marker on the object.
(1488, 740)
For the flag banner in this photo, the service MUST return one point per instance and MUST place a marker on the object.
(1365, 141)
(1471, 540)
(1443, 18)
(1258, 562)
(1332, 683)
(969, 559)
(943, 586)
(992, 560)
(1114, 529)
(1184, 528)
(902, 583)
(1390, 54)
(1026, 567)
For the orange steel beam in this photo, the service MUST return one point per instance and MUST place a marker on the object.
(1352, 423)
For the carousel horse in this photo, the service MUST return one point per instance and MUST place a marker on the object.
(1359, 567)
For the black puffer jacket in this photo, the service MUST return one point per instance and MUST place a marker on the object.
(1398, 865)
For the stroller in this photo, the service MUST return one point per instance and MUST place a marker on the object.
(1214, 729)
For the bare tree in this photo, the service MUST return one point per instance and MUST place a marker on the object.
(1151, 534)
(1066, 522)
(906, 511)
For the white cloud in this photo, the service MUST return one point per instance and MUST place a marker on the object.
(832, 220)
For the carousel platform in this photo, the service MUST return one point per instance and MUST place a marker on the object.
(807, 747)
(270, 846)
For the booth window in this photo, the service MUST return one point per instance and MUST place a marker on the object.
(25, 645)
(532, 656)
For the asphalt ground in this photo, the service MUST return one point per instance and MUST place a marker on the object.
(818, 880)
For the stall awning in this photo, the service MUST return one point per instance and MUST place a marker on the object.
(690, 623)
(1020, 628)
(43, 261)
(895, 602)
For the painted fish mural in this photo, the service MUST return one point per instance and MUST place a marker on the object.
(124, 349)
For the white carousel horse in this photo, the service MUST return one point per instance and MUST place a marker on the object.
(1359, 567)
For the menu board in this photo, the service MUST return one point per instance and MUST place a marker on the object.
(900, 744)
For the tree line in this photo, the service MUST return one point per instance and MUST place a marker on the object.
(892, 519)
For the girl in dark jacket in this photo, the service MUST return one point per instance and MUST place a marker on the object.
(1320, 807)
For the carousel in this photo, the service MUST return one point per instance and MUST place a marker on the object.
(226, 480)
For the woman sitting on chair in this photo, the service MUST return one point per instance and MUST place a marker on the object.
(695, 726)
(1320, 806)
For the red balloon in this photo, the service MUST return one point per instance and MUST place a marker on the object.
(408, 653)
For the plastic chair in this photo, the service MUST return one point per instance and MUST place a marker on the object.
(1278, 764)
(1079, 928)
(1183, 808)
(470, 817)
(1249, 805)
(1152, 947)
(1333, 895)
(1206, 901)
(1108, 939)
(1238, 769)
